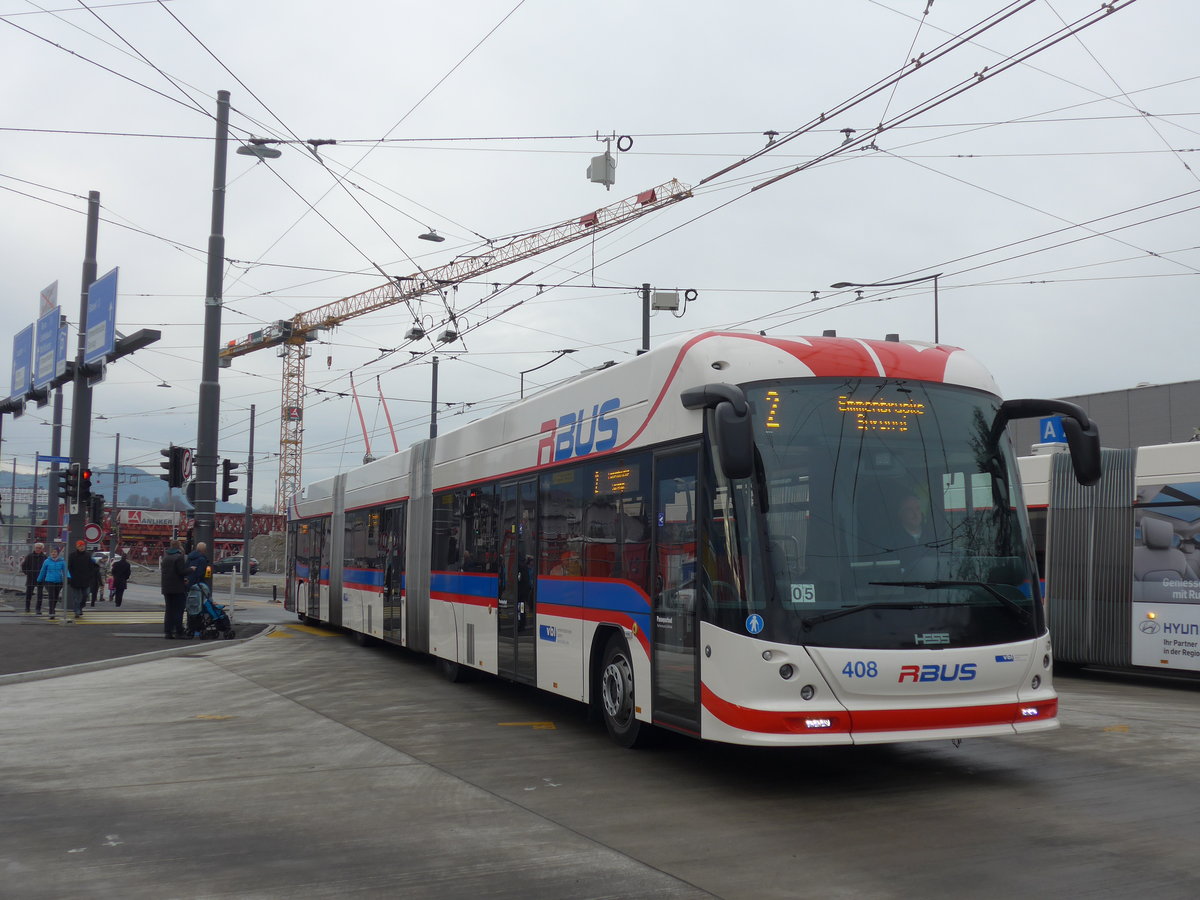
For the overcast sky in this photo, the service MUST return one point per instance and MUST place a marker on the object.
(1057, 198)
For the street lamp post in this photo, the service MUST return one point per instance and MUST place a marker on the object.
(934, 278)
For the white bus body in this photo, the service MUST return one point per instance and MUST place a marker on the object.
(733, 570)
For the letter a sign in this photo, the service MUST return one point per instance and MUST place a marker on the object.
(1052, 431)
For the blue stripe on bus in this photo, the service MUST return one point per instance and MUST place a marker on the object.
(485, 585)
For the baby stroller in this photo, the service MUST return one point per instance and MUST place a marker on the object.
(206, 619)
(215, 622)
(194, 607)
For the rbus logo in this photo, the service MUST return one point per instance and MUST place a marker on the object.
(957, 672)
(578, 434)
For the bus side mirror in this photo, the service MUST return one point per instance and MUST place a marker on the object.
(733, 431)
(1083, 438)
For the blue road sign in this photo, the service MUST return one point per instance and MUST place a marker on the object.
(60, 365)
(101, 317)
(22, 364)
(1052, 431)
(61, 460)
(45, 355)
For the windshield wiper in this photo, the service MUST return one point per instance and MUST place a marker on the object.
(1013, 607)
(847, 610)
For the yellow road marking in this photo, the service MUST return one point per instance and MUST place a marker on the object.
(309, 629)
(215, 718)
(536, 726)
(1119, 729)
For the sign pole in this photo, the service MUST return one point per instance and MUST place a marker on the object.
(81, 405)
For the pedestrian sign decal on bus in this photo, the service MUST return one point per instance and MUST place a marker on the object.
(754, 623)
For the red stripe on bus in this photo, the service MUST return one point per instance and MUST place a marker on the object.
(765, 721)
(465, 599)
(603, 616)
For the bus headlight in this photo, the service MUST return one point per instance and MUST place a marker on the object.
(807, 692)
(786, 671)
(1037, 682)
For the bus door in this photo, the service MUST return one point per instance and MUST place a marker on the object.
(391, 540)
(675, 585)
(313, 562)
(516, 617)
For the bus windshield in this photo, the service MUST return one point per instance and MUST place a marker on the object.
(891, 520)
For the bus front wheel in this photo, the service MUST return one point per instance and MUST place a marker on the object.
(617, 695)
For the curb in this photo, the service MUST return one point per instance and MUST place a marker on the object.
(101, 664)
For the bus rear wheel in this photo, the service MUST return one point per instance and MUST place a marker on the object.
(617, 695)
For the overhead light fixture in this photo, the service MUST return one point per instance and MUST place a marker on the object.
(259, 150)
(431, 235)
(415, 333)
(448, 335)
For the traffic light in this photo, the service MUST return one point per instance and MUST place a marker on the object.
(227, 479)
(72, 486)
(97, 509)
(85, 488)
(174, 466)
(58, 486)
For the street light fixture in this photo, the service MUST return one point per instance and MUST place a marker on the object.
(934, 278)
(257, 147)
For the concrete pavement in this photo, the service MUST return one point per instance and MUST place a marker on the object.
(185, 777)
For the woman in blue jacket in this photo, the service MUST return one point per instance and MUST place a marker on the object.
(54, 572)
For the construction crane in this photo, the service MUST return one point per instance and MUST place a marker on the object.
(293, 335)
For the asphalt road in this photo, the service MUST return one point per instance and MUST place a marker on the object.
(33, 644)
(299, 765)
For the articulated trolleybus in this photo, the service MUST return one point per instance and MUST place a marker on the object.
(758, 540)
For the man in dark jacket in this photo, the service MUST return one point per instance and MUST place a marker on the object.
(121, 571)
(80, 569)
(31, 565)
(198, 563)
(174, 573)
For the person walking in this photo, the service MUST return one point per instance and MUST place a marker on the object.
(31, 565)
(52, 575)
(97, 581)
(80, 569)
(121, 571)
(173, 571)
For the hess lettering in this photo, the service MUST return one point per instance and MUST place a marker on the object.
(578, 434)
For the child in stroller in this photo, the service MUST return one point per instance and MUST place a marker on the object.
(206, 619)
